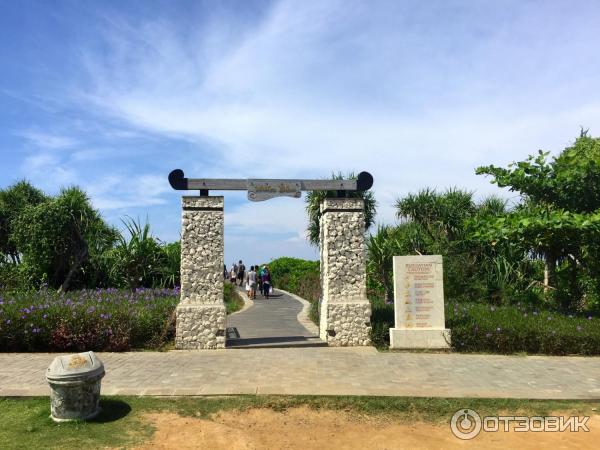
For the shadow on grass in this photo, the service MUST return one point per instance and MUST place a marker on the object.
(112, 410)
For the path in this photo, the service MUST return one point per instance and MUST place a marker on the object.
(321, 371)
(270, 323)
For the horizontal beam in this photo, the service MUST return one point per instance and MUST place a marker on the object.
(178, 181)
(215, 184)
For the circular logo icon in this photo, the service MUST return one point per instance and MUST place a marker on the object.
(465, 424)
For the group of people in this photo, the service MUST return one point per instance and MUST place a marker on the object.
(257, 277)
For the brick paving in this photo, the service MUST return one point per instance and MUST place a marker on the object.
(321, 370)
(315, 370)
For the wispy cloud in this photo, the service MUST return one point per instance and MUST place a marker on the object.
(45, 140)
(416, 93)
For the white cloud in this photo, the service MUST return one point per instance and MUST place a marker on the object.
(280, 215)
(121, 192)
(107, 191)
(418, 94)
(48, 171)
(46, 140)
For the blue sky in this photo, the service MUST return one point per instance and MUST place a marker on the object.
(113, 95)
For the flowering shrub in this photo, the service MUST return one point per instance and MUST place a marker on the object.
(508, 329)
(100, 319)
(511, 329)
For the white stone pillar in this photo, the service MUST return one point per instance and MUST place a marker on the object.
(201, 312)
(345, 309)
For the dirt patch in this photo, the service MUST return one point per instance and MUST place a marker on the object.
(303, 428)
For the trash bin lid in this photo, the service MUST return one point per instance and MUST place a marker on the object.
(80, 366)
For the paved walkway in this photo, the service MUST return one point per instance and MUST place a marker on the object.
(275, 322)
(321, 370)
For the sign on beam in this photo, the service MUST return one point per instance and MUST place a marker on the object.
(259, 190)
(264, 189)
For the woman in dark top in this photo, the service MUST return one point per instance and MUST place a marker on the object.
(266, 279)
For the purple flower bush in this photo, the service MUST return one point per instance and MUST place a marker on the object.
(99, 319)
(512, 329)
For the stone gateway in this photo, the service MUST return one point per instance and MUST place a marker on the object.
(345, 311)
(201, 311)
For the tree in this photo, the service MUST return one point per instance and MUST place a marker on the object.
(56, 236)
(313, 207)
(571, 181)
(13, 201)
(560, 211)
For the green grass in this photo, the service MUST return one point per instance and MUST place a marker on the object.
(233, 301)
(26, 423)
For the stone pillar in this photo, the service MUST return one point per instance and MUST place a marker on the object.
(201, 311)
(345, 309)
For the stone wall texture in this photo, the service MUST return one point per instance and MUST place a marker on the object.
(202, 250)
(201, 311)
(345, 309)
(200, 326)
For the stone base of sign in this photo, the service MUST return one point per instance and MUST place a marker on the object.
(346, 324)
(200, 327)
(419, 339)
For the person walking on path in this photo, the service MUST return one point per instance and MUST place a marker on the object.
(259, 278)
(266, 282)
(241, 272)
(233, 273)
(251, 281)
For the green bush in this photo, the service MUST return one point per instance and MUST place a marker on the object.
(296, 275)
(382, 319)
(233, 301)
(513, 329)
(16, 277)
(300, 277)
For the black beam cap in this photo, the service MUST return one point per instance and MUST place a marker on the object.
(364, 181)
(177, 180)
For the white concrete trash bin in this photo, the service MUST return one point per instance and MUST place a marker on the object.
(75, 386)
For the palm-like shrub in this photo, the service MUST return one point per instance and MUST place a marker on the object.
(171, 262)
(137, 259)
(381, 248)
(313, 206)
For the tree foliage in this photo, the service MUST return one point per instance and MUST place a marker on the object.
(64, 242)
(13, 201)
(434, 222)
(559, 217)
(59, 236)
